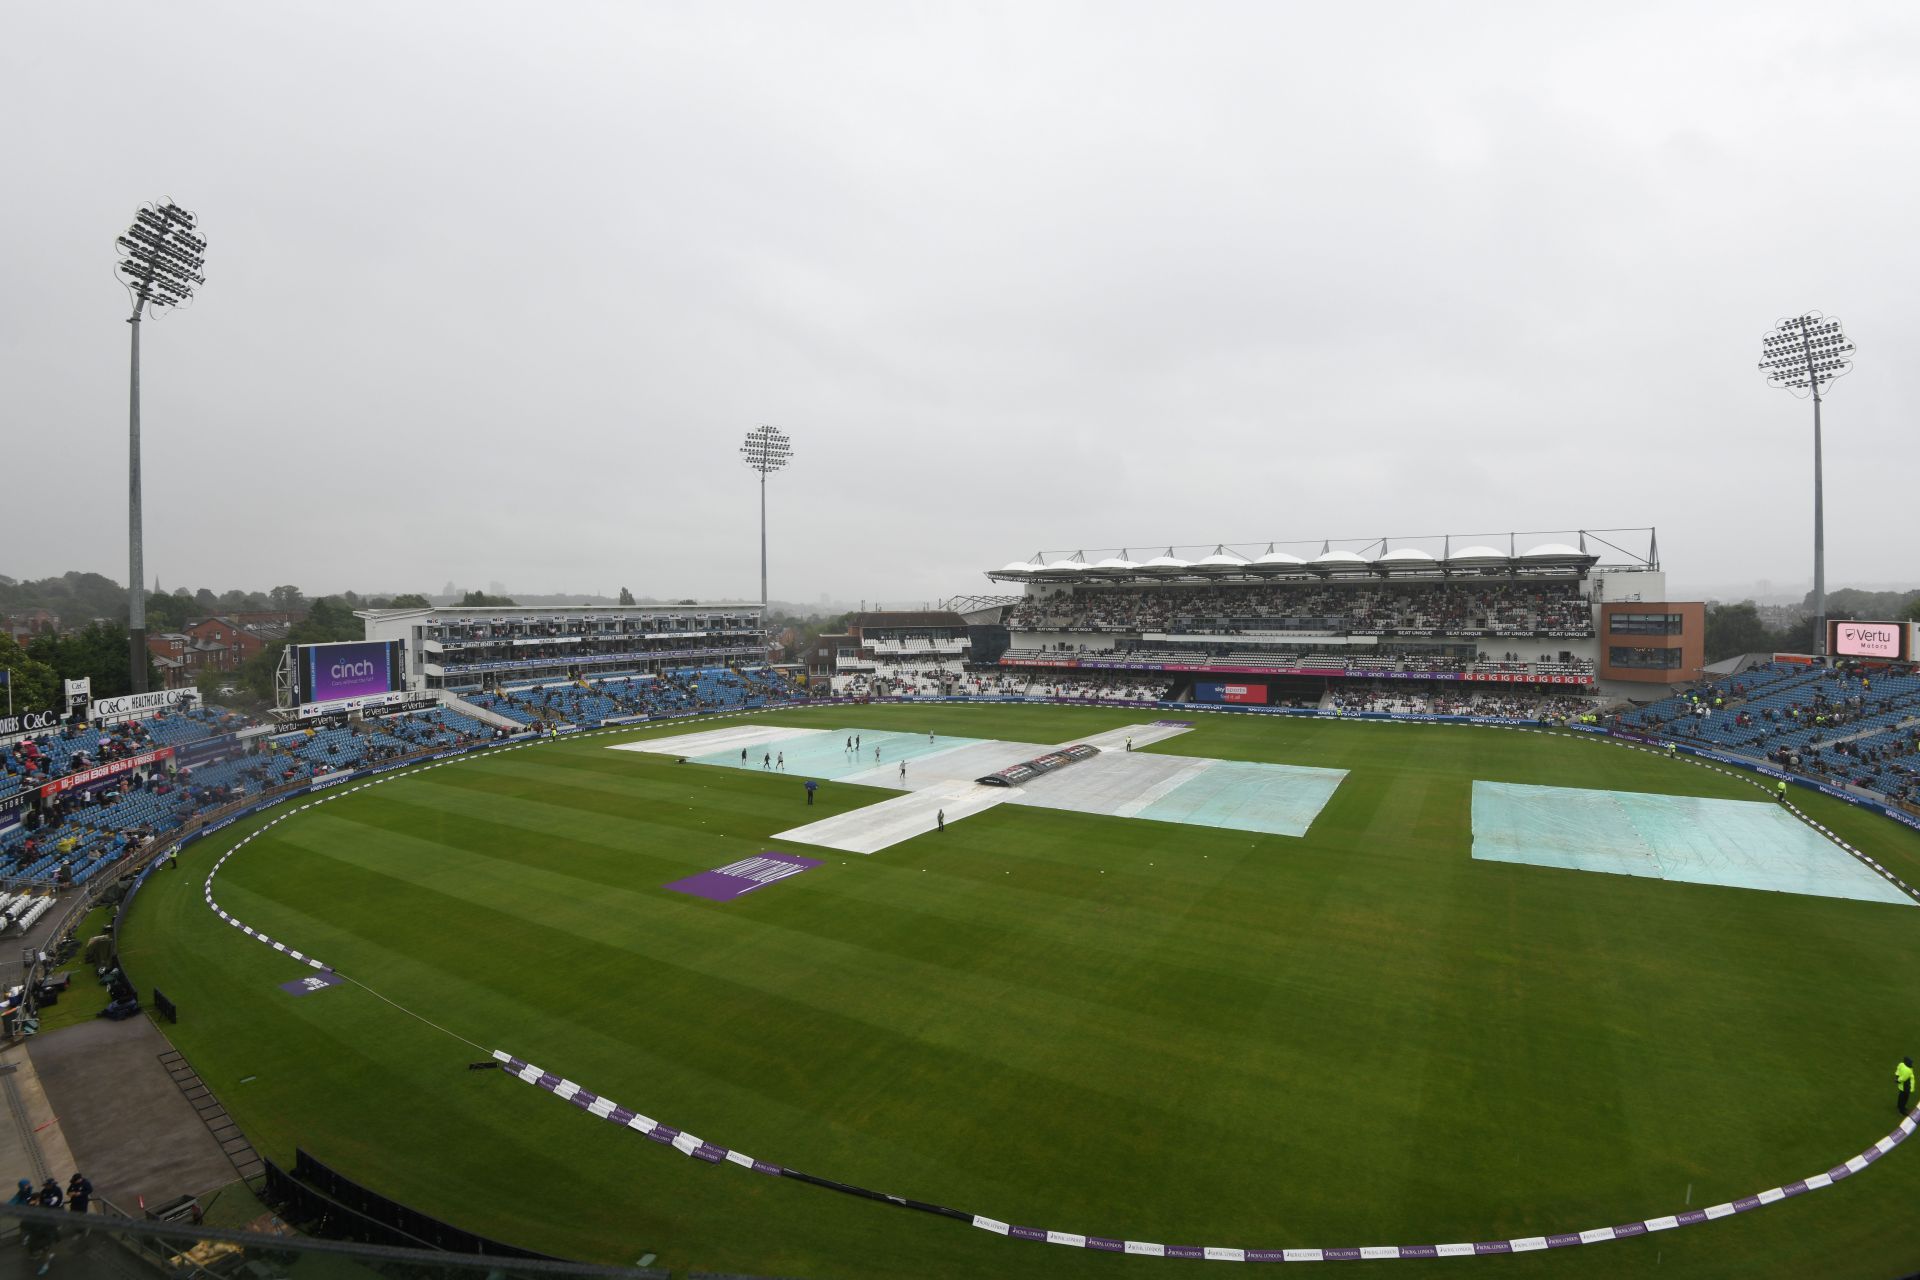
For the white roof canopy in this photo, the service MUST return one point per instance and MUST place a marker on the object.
(1384, 557)
(1220, 560)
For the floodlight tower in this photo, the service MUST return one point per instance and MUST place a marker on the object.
(160, 260)
(1802, 353)
(766, 451)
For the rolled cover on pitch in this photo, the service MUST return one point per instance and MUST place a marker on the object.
(1015, 774)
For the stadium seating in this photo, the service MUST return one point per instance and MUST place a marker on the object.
(672, 692)
(1500, 609)
(1857, 727)
(1458, 699)
(49, 755)
(505, 704)
(1104, 686)
(93, 829)
(1862, 728)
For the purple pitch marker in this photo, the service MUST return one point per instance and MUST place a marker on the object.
(313, 982)
(724, 884)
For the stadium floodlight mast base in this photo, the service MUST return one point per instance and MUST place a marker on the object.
(161, 255)
(766, 451)
(1800, 354)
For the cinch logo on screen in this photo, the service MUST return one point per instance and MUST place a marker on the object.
(350, 671)
(1868, 641)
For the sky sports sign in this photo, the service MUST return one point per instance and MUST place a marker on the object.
(358, 669)
(1216, 691)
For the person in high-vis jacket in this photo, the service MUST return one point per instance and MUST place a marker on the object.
(1903, 1082)
(1780, 789)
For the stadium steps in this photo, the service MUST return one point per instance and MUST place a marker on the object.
(246, 1161)
(482, 714)
(1874, 731)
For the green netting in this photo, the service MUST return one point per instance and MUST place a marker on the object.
(1743, 844)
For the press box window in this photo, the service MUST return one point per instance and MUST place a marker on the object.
(1644, 659)
(1644, 624)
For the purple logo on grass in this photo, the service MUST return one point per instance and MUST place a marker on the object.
(312, 982)
(744, 876)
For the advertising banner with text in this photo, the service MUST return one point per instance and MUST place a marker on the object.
(139, 706)
(28, 722)
(1214, 691)
(102, 772)
(1887, 641)
(340, 707)
(359, 669)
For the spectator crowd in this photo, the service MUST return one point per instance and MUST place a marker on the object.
(1449, 608)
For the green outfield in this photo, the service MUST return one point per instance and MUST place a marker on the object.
(1098, 1025)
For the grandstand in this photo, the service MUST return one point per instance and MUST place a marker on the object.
(481, 647)
(82, 797)
(681, 691)
(1558, 624)
(1854, 725)
(894, 653)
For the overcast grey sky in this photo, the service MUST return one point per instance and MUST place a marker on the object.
(494, 290)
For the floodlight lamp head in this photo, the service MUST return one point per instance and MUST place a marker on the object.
(766, 450)
(1803, 353)
(161, 257)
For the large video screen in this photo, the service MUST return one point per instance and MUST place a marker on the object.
(1887, 640)
(360, 669)
(1215, 691)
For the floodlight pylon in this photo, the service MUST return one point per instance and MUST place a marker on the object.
(766, 450)
(1801, 354)
(161, 256)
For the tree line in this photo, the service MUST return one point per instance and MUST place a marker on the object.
(94, 642)
(328, 620)
(1734, 629)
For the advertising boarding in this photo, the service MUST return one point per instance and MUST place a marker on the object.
(87, 779)
(1218, 691)
(1886, 641)
(356, 669)
(140, 706)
